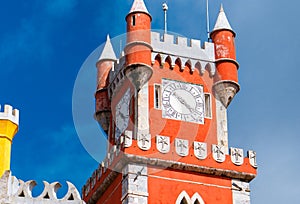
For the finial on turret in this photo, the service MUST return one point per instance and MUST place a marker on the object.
(222, 22)
(138, 6)
(108, 52)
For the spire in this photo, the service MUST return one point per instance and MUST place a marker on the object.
(108, 52)
(222, 22)
(139, 6)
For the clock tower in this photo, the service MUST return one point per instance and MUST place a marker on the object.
(163, 104)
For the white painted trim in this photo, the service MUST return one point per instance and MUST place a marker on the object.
(184, 195)
(197, 197)
(181, 196)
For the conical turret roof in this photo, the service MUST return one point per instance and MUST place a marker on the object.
(108, 52)
(222, 22)
(139, 6)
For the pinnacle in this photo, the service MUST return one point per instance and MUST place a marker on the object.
(139, 6)
(222, 21)
(108, 52)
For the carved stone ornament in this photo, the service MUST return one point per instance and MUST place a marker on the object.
(99, 172)
(218, 153)
(144, 141)
(252, 158)
(127, 138)
(182, 147)
(237, 156)
(163, 144)
(105, 165)
(200, 150)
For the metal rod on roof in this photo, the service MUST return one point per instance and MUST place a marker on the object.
(207, 20)
(165, 8)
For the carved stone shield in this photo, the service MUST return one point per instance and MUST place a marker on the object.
(200, 150)
(144, 141)
(182, 147)
(127, 138)
(163, 144)
(237, 156)
(218, 152)
(252, 158)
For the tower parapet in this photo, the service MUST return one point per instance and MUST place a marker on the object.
(9, 124)
(10, 114)
(188, 51)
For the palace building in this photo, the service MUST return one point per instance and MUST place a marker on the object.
(163, 104)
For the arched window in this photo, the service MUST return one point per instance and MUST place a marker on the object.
(184, 201)
(183, 198)
(196, 199)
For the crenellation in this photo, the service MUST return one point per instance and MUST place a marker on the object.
(181, 41)
(178, 46)
(10, 114)
(18, 191)
(195, 43)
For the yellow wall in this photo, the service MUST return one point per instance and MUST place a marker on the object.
(8, 130)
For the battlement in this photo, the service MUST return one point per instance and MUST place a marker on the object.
(13, 190)
(10, 114)
(192, 155)
(182, 47)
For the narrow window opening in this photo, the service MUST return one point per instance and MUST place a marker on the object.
(133, 20)
(183, 201)
(157, 96)
(196, 202)
(207, 105)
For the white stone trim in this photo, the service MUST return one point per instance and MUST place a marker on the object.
(222, 129)
(10, 114)
(181, 196)
(197, 197)
(184, 195)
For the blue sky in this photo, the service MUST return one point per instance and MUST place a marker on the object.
(43, 47)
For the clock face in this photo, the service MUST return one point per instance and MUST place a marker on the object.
(182, 101)
(122, 114)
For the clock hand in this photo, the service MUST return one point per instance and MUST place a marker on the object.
(183, 102)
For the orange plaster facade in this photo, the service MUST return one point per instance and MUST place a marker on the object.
(143, 174)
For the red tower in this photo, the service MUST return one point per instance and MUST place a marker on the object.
(104, 66)
(226, 80)
(138, 49)
(168, 124)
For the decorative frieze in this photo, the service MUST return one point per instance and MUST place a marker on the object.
(144, 141)
(163, 144)
(237, 156)
(252, 158)
(182, 147)
(218, 153)
(200, 150)
(15, 190)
